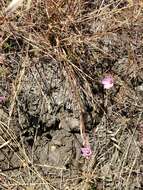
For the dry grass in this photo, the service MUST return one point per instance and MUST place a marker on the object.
(87, 39)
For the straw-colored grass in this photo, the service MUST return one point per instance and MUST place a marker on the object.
(86, 40)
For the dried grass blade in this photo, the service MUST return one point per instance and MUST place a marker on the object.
(14, 5)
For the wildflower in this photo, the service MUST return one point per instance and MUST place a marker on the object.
(2, 98)
(86, 152)
(107, 82)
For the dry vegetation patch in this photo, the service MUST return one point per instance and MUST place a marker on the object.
(53, 57)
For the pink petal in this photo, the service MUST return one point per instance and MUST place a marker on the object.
(108, 86)
(86, 152)
(2, 98)
(107, 82)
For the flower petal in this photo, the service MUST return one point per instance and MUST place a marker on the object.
(2, 98)
(107, 82)
(86, 152)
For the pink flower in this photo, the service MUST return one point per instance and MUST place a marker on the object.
(2, 98)
(86, 152)
(107, 82)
